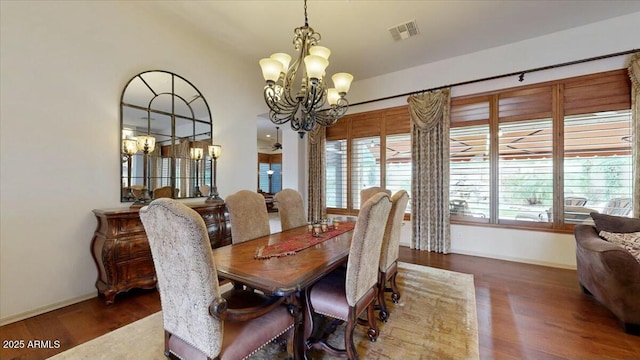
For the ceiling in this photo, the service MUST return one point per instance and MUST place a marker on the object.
(357, 32)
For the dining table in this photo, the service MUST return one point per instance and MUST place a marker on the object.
(285, 264)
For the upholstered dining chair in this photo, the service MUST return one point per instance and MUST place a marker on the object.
(346, 295)
(200, 322)
(389, 253)
(164, 192)
(291, 209)
(366, 193)
(248, 216)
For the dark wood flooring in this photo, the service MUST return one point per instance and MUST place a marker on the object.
(524, 312)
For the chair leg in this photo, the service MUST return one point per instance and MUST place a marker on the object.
(348, 336)
(290, 341)
(373, 331)
(395, 295)
(382, 305)
(167, 335)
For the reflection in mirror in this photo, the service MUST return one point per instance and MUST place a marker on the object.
(170, 109)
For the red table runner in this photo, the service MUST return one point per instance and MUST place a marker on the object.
(300, 242)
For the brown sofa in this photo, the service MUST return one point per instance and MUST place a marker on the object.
(609, 272)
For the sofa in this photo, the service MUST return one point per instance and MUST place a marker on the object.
(608, 271)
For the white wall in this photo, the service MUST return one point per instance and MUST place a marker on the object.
(602, 38)
(64, 65)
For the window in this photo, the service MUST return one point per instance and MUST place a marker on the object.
(398, 164)
(364, 150)
(365, 166)
(270, 163)
(276, 178)
(263, 176)
(469, 171)
(525, 170)
(543, 156)
(597, 164)
(336, 174)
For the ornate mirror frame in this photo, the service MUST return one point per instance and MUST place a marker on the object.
(168, 108)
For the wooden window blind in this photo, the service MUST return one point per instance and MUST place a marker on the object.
(469, 172)
(609, 91)
(365, 166)
(336, 174)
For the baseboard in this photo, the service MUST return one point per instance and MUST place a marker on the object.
(516, 259)
(506, 258)
(47, 308)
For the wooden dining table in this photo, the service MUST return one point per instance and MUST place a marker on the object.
(286, 275)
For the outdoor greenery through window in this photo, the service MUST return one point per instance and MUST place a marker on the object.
(597, 164)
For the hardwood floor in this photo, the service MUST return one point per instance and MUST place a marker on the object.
(524, 312)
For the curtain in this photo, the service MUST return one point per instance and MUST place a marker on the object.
(429, 115)
(634, 74)
(155, 166)
(183, 157)
(317, 208)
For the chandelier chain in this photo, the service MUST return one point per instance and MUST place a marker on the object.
(306, 20)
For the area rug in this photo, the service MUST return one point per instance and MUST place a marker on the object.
(435, 319)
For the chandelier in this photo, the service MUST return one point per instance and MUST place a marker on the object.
(299, 94)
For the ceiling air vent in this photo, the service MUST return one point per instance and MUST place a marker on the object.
(404, 31)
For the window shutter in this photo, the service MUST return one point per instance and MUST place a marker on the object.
(607, 91)
(469, 172)
(396, 120)
(398, 164)
(597, 164)
(365, 166)
(525, 104)
(336, 174)
(469, 111)
(526, 170)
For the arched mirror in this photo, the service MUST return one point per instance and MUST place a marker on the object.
(166, 129)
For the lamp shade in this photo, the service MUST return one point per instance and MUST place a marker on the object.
(342, 82)
(315, 66)
(129, 146)
(321, 51)
(215, 151)
(271, 69)
(284, 59)
(196, 153)
(146, 144)
(332, 96)
(270, 172)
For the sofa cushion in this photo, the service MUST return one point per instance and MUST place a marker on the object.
(615, 224)
(628, 241)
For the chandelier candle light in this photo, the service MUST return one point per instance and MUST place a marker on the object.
(129, 148)
(196, 155)
(214, 153)
(146, 144)
(300, 94)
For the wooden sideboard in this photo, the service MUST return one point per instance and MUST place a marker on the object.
(121, 251)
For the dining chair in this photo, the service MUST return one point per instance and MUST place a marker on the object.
(248, 216)
(163, 192)
(199, 322)
(389, 253)
(366, 193)
(290, 209)
(345, 296)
